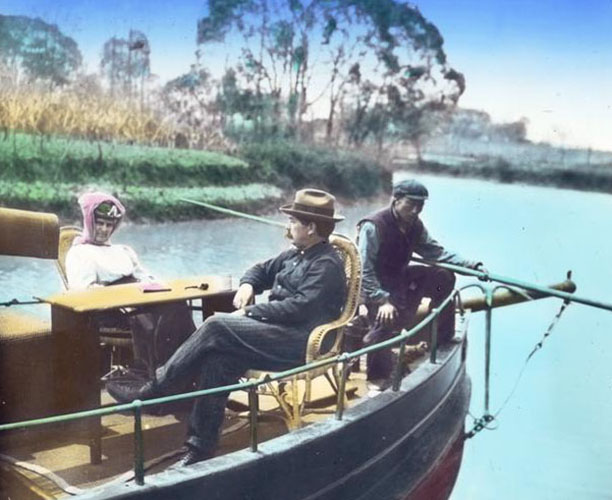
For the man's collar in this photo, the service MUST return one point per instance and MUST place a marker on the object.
(314, 249)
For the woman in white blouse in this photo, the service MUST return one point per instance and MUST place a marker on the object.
(93, 260)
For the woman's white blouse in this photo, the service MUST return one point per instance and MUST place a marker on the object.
(88, 264)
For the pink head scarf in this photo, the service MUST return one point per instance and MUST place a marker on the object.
(89, 202)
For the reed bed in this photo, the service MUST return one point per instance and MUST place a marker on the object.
(95, 117)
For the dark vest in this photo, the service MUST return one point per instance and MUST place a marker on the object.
(395, 249)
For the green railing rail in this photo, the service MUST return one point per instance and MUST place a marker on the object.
(518, 283)
(251, 386)
(344, 359)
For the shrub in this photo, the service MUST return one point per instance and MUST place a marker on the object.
(296, 166)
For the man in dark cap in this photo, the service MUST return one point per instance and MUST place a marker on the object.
(392, 289)
(307, 287)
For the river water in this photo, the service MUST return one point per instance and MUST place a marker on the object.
(553, 439)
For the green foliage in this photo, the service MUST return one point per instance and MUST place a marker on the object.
(571, 176)
(298, 166)
(289, 44)
(28, 158)
(476, 124)
(151, 180)
(150, 202)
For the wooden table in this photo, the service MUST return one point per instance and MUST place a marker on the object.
(76, 347)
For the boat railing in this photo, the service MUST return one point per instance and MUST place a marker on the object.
(516, 288)
(344, 359)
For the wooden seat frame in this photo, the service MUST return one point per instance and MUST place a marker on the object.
(293, 401)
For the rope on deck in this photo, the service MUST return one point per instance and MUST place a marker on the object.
(43, 472)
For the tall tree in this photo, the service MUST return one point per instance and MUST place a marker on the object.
(37, 50)
(114, 64)
(310, 55)
(125, 63)
(139, 62)
(187, 99)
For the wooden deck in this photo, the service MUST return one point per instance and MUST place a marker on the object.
(67, 456)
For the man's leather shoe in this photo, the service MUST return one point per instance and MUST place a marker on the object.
(192, 456)
(128, 391)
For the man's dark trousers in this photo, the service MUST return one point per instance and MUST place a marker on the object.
(416, 282)
(220, 352)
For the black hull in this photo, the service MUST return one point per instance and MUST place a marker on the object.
(404, 444)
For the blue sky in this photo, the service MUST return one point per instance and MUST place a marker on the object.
(548, 61)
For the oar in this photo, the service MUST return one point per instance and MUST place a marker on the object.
(459, 269)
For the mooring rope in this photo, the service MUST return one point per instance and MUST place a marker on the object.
(485, 421)
(41, 471)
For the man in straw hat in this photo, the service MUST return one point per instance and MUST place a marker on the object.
(307, 288)
(391, 289)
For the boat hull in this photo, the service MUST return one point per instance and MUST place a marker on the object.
(404, 444)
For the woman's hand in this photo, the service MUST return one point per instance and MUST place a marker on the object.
(243, 296)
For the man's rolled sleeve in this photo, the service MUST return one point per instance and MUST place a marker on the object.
(428, 248)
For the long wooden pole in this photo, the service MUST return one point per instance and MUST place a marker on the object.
(538, 289)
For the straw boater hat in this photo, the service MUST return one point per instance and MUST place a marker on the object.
(312, 204)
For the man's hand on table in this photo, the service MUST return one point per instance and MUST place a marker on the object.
(244, 296)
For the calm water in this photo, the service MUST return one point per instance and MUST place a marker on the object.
(554, 437)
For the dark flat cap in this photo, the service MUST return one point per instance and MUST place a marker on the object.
(410, 188)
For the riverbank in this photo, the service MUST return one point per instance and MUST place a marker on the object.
(579, 177)
(514, 162)
(48, 174)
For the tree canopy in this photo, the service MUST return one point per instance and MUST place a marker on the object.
(38, 50)
(373, 61)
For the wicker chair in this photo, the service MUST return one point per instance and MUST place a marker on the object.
(325, 341)
(118, 339)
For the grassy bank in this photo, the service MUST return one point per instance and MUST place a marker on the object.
(582, 177)
(522, 162)
(29, 158)
(49, 173)
(143, 202)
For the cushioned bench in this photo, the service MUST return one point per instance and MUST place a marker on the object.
(26, 343)
(26, 367)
